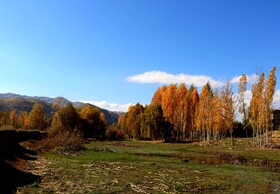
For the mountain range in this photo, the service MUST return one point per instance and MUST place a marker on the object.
(11, 101)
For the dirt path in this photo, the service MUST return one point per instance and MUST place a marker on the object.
(41, 168)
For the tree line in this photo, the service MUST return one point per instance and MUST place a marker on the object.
(36, 119)
(88, 120)
(180, 113)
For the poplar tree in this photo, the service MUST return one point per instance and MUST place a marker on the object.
(169, 104)
(193, 106)
(269, 93)
(133, 120)
(257, 108)
(180, 112)
(216, 115)
(152, 122)
(204, 110)
(158, 95)
(241, 100)
(122, 125)
(228, 108)
(22, 120)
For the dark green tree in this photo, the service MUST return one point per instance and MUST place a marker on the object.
(133, 120)
(152, 121)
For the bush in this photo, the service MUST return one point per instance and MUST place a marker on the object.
(113, 133)
(62, 141)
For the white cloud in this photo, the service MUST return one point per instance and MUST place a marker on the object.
(250, 79)
(276, 99)
(275, 103)
(247, 97)
(109, 106)
(124, 107)
(166, 78)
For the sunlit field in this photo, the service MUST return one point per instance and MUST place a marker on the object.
(156, 167)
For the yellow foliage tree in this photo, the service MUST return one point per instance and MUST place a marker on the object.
(13, 118)
(270, 90)
(157, 98)
(203, 120)
(216, 115)
(180, 113)
(228, 108)
(193, 106)
(257, 108)
(37, 118)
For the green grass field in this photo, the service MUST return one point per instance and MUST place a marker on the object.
(153, 167)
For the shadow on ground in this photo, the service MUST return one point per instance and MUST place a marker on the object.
(11, 178)
(13, 161)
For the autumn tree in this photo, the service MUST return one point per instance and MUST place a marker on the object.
(257, 108)
(65, 132)
(260, 107)
(203, 120)
(37, 118)
(22, 120)
(4, 118)
(122, 125)
(65, 119)
(169, 104)
(228, 108)
(92, 124)
(181, 106)
(160, 92)
(270, 90)
(68, 116)
(193, 106)
(216, 116)
(254, 110)
(13, 119)
(25, 120)
(133, 120)
(241, 100)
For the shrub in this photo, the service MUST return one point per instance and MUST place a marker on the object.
(62, 141)
(113, 133)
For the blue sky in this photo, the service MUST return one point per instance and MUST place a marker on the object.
(116, 52)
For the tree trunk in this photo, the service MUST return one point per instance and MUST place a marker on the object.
(232, 138)
(208, 136)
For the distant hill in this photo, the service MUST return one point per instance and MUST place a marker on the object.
(22, 104)
(10, 101)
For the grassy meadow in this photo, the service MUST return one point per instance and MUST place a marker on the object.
(156, 167)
